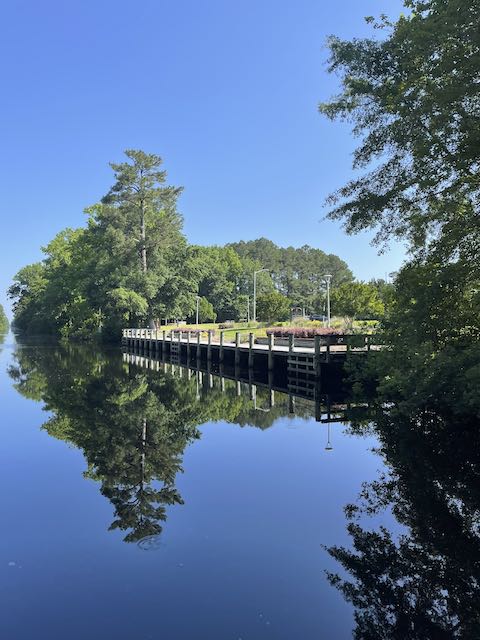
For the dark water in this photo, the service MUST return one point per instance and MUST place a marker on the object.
(139, 503)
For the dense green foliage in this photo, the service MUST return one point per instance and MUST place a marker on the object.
(357, 300)
(413, 96)
(3, 321)
(273, 307)
(131, 262)
(131, 265)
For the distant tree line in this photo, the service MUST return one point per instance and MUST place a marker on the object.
(131, 265)
(3, 321)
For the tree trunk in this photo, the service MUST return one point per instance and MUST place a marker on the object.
(143, 238)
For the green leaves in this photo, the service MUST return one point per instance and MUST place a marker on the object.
(413, 97)
(357, 300)
(273, 307)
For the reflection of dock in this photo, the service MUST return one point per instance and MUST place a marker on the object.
(307, 399)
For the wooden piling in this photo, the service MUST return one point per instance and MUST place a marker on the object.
(237, 348)
(250, 350)
(220, 353)
(209, 346)
(271, 344)
(317, 356)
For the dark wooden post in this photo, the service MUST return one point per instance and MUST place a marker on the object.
(250, 350)
(271, 344)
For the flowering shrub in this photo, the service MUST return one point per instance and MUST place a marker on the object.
(303, 332)
(228, 324)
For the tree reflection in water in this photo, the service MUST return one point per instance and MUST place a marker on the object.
(425, 582)
(131, 424)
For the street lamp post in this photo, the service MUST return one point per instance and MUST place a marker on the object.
(328, 277)
(198, 306)
(255, 292)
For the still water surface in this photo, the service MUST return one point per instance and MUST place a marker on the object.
(141, 504)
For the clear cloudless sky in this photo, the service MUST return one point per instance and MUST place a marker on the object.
(226, 92)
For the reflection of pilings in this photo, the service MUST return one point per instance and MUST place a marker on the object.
(210, 375)
(222, 379)
(271, 391)
(147, 361)
(291, 403)
(252, 389)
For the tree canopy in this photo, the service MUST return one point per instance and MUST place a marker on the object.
(273, 307)
(412, 96)
(357, 300)
(132, 265)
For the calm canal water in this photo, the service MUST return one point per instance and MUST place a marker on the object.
(141, 504)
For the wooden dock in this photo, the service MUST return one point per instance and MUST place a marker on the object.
(306, 357)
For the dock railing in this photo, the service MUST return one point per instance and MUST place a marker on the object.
(222, 338)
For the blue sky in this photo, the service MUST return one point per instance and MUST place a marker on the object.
(226, 92)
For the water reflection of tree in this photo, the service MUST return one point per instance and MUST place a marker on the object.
(425, 582)
(132, 429)
(132, 424)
